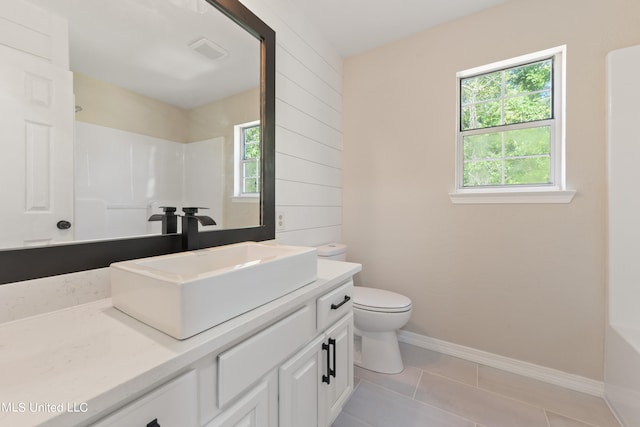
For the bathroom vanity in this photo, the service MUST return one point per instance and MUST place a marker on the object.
(285, 363)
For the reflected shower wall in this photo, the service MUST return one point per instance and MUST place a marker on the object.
(122, 178)
(156, 146)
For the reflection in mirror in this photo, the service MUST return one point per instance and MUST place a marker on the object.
(167, 94)
(45, 139)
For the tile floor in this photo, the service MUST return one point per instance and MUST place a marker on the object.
(437, 390)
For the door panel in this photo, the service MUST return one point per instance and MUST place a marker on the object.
(36, 133)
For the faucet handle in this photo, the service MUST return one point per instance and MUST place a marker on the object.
(192, 210)
(168, 209)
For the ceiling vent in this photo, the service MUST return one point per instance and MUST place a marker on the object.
(206, 47)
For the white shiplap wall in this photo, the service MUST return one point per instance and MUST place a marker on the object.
(308, 127)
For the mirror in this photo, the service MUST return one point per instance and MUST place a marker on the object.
(152, 118)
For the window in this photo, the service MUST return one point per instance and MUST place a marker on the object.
(510, 129)
(247, 154)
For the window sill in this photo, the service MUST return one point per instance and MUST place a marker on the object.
(245, 199)
(510, 196)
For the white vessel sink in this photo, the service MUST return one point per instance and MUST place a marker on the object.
(185, 293)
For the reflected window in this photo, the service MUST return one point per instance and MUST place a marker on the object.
(247, 154)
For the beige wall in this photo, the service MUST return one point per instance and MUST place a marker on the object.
(218, 119)
(112, 106)
(523, 281)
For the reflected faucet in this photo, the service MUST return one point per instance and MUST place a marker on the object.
(169, 219)
(190, 227)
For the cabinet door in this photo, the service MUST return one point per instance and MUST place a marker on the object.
(341, 386)
(301, 391)
(174, 404)
(252, 410)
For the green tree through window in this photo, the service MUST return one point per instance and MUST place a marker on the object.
(506, 126)
(251, 159)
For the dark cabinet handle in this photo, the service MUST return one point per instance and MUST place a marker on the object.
(153, 423)
(327, 378)
(63, 225)
(332, 343)
(346, 299)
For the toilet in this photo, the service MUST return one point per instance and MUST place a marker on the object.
(377, 315)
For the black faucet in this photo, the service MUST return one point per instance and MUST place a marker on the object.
(190, 226)
(169, 219)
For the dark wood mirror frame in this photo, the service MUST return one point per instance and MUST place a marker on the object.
(32, 263)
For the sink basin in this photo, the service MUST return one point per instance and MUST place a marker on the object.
(185, 293)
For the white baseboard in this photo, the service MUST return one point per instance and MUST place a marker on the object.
(537, 372)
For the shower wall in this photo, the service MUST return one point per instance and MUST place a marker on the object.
(122, 178)
(622, 359)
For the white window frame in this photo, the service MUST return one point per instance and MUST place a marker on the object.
(556, 192)
(238, 142)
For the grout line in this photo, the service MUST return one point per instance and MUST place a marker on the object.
(546, 417)
(448, 378)
(536, 405)
(349, 414)
(586, 423)
(507, 364)
(491, 392)
(387, 389)
(504, 396)
(430, 405)
(478, 375)
(417, 385)
(355, 387)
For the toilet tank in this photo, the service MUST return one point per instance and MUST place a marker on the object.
(334, 251)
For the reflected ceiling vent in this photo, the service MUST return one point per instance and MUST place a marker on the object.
(206, 47)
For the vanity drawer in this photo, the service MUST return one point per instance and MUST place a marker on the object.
(334, 304)
(242, 365)
(174, 404)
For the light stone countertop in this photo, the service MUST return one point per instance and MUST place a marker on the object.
(91, 358)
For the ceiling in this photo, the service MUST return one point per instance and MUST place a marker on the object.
(143, 45)
(148, 46)
(355, 26)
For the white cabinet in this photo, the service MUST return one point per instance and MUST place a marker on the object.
(317, 381)
(242, 365)
(340, 386)
(254, 409)
(296, 371)
(301, 387)
(173, 404)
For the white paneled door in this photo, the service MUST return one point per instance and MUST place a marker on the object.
(36, 161)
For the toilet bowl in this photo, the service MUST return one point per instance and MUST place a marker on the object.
(377, 315)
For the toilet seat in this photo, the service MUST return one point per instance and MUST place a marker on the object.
(380, 300)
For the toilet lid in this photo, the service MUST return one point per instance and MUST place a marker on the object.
(379, 300)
